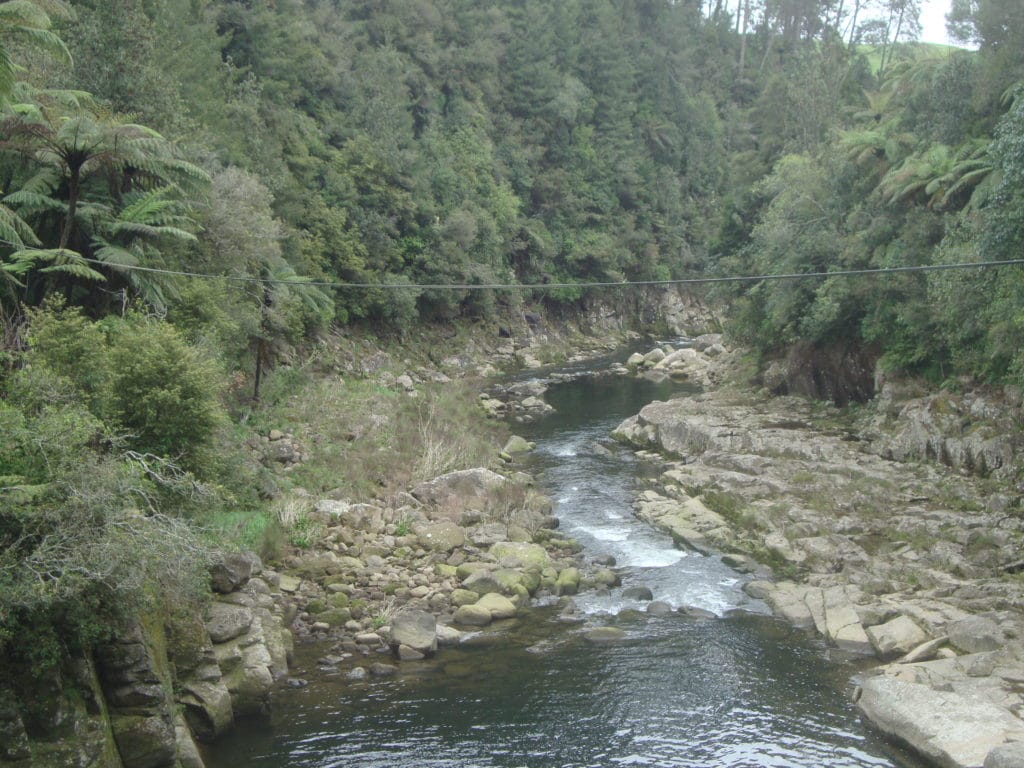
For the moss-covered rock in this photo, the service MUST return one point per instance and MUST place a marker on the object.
(568, 581)
(472, 616)
(522, 554)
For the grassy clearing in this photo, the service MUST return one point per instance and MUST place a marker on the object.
(366, 440)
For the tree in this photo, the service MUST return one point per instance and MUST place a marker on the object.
(26, 23)
(100, 192)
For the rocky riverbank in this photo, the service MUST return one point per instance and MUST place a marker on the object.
(894, 531)
(391, 582)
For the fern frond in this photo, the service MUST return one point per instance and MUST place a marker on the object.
(61, 261)
(35, 201)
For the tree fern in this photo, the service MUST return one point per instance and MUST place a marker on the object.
(59, 260)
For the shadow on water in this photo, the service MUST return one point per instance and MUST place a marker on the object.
(743, 690)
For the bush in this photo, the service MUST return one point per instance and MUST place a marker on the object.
(137, 375)
(163, 391)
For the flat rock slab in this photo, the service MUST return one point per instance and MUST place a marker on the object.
(953, 730)
(842, 624)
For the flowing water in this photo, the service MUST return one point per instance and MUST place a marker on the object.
(740, 690)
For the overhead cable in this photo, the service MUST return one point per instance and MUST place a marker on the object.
(711, 279)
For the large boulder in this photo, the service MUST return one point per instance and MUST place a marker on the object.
(472, 616)
(449, 495)
(521, 554)
(947, 728)
(975, 634)
(441, 536)
(604, 635)
(234, 570)
(499, 606)
(416, 630)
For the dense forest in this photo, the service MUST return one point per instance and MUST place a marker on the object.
(284, 149)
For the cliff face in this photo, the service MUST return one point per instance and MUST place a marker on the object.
(143, 699)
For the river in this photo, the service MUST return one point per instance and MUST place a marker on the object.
(740, 690)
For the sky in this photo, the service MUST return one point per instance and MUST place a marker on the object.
(933, 21)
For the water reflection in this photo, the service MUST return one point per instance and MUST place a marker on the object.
(739, 691)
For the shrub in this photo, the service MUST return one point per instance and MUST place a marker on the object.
(163, 391)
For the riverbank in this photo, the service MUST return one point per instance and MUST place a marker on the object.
(878, 535)
(343, 439)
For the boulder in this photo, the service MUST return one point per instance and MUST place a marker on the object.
(226, 622)
(234, 570)
(451, 494)
(499, 606)
(1006, 756)
(442, 536)
(379, 669)
(658, 608)
(472, 616)
(947, 728)
(464, 570)
(207, 705)
(975, 634)
(416, 630)
(654, 357)
(460, 597)
(568, 582)
(405, 653)
(448, 635)
(606, 577)
(896, 638)
(521, 553)
(925, 651)
(482, 582)
(635, 360)
(642, 594)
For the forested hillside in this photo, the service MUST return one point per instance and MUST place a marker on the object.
(284, 148)
(450, 142)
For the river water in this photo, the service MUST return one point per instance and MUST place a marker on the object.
(739, 690)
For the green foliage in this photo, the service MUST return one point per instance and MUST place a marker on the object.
(138, 375)
(162, 391)
(84, 540)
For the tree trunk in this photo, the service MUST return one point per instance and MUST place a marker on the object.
(267, 299)
(74, 188)
(853, 23)
(743, 35)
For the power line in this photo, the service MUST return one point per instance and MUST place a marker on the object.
(554, 286)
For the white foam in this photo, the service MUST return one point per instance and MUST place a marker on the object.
(604, 533)
(651, 557)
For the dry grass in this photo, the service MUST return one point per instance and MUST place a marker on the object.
(366, 440)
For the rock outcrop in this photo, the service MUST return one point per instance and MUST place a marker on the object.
(144, 698)
(886, 545)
